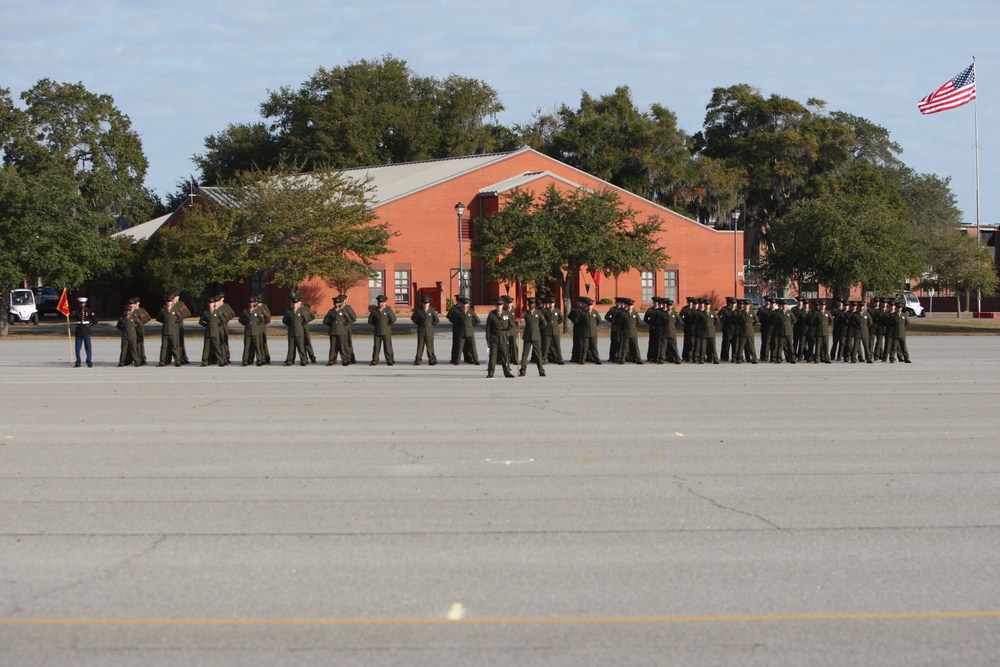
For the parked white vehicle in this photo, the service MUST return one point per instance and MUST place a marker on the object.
(912, 304)
(22, 307)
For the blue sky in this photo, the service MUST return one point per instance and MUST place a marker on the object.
(182, 70)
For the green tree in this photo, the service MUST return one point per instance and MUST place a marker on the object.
(72, 167)
(610, 138)
(305, 226)
(369, 112)
(959, 264)
(871, 143)
(708, 191)
(550, 238)
(952, 260)
(205, 247)
(277, 222)
(47, 232)
(236, 149)
(69, 130)
(787, 151)
(932, 203)
(858, 235)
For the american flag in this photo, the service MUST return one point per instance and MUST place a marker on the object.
(956, 92)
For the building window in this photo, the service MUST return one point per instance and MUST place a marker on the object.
(376, 286)
(648, 286)
(402, 280)
(670, 285)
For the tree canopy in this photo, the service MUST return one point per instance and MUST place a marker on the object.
(609, 137)
(72, 166)
(548, 239)
(68, 130)
(369, 112)
(787, 151)
(279, 222)
(858, 235)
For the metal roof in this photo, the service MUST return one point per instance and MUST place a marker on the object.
(523, 179)
(220, 196)
(393, 181)
(145, 230)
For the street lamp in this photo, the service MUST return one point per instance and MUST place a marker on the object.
(460, 211)
(736, 266)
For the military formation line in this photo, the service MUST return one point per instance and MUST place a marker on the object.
(849, 332)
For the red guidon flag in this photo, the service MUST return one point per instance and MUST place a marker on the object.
(63, 306)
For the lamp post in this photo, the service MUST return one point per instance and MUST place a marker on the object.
(460, 211)
(736, 266)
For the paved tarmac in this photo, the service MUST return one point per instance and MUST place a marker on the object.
(844, 514)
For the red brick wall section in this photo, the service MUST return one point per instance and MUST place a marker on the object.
(428, 239)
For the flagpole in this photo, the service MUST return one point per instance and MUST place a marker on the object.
(979, 292)
(63, 307)
(69, 339)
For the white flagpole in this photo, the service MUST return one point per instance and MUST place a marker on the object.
(977, 149)
(979, 292)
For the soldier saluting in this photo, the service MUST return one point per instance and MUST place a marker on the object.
(297, 319)
(130, 324)
(212, 319)
(253, 321)
(463, 334)
(170, 317)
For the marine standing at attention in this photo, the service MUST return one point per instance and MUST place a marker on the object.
(532, 319)
(339, 320)
(498, 323)
(84, 318)
(382, 318)
(463, 334)
(297, 318)
(425, 317)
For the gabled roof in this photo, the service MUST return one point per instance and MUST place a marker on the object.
(145, 230)
(394, 181)
(513, 182)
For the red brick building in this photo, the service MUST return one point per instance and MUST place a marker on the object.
(418, 200)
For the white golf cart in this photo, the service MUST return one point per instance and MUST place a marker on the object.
(22, 307)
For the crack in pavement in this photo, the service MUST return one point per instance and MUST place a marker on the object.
(685, 485)
(105, 574)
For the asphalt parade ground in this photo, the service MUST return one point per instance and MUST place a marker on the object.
(778, 515)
